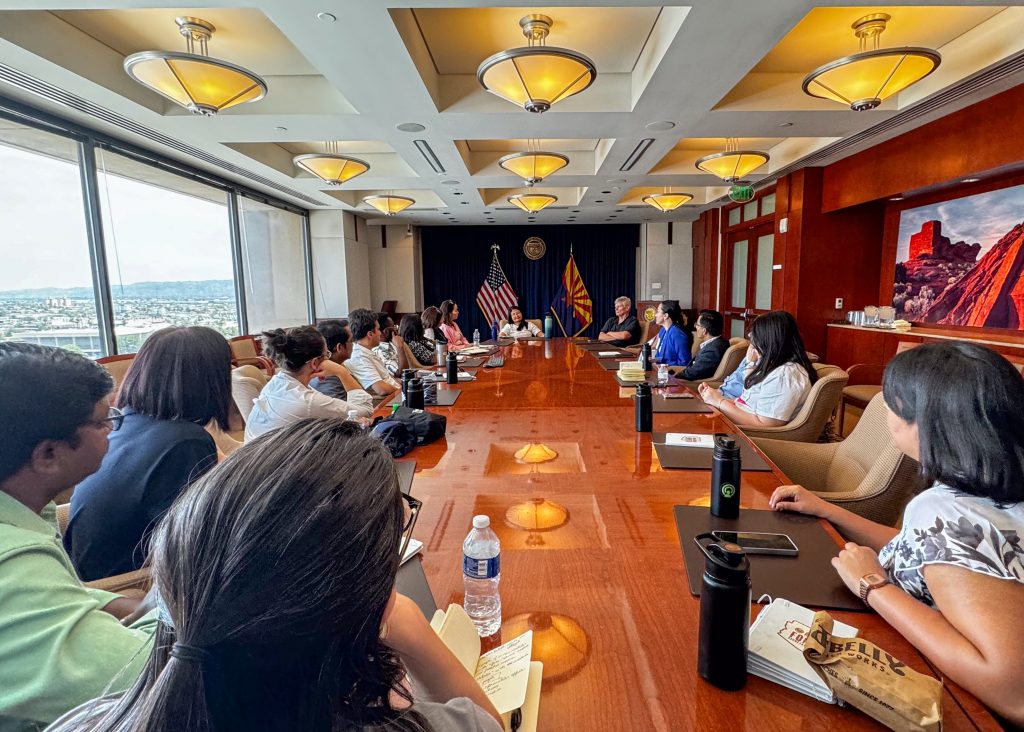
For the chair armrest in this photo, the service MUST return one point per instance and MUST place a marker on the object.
(804, 463)
(139, 579)
(866, 374)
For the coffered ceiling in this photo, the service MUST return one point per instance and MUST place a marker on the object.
(674, 81)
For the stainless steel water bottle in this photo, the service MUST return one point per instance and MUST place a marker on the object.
(644, 408)
(724, 614)
(725, 477)
(406, 375)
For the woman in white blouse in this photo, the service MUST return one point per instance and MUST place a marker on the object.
(519, 327)
(780, 380)
(300, 354)
(951, 580)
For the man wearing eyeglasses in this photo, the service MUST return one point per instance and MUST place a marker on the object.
(61, 643)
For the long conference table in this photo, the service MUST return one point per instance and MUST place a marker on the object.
(590, 557)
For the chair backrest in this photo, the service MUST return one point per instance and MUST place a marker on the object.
(410, 358)
(809, 421)
(652, 330)
(731, 358)
(868, 463)
(246, 384)
(244, 347)
(389, 307)
(536, 321)
(117, 366)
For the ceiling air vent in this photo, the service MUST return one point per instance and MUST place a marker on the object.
(638, 152)
(428, 155)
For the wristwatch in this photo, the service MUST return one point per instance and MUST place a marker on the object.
(871, 581)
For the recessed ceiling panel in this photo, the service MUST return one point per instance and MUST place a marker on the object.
(511, 146)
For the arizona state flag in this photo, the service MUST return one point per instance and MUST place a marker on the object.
(572, 307)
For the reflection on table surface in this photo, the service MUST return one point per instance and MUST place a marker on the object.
(591, 563)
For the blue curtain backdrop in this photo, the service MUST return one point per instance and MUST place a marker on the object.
(456, 260)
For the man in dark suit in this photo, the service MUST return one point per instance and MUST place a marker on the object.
(712, 347)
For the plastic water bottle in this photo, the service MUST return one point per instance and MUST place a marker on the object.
(481, 572)
(353, 416)
(494, 330)
(476, 337)
(663, 374)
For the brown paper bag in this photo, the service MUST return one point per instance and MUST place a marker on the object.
(866, 677)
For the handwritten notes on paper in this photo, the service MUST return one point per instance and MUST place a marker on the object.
(504, 672)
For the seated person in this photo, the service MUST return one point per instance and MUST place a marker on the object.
(411, 331)
(61, 643)
(364, 364)
(308, 632)
(301, 354)
(673, 342)
(519, 327)
(389, 350)
(179, 382)
(431, 319)
(781, 378)
(951, 579)
(732, 387)
(711, 349)
(450, 329)
(338, 337)
(621, 329)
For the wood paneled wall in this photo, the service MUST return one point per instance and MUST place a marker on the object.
(705, 258)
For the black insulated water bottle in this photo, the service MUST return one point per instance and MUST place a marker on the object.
(407, 374)
(724, 614)
(414, 395)
(452, 365)
(725, 477)
(644, 408)
(645, 356)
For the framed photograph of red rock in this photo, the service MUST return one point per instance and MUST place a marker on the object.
(961, 261)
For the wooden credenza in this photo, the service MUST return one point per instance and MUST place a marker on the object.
(853, 344)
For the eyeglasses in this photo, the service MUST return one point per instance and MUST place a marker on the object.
(113, 420)
(414, 507)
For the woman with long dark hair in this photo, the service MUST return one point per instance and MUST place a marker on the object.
(411, 331)
(301, 354)
(431, 320)
(277, 578)
(951, 579)
(673, 342)
(179, 382)
(516, 326)
(451, 330)
(775, 389)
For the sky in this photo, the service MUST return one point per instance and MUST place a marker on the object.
(983, 218)
(153, 234)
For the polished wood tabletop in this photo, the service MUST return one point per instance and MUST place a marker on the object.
(590, 557)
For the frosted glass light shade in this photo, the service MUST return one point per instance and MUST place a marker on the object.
(330, 168)
(536, 77)
(732, 165)
(667, 201)
(389, 205)
(532, 202)
(533, 167)
(201, 84)
(864, 80)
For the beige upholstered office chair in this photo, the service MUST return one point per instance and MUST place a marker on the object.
(730, 362)
(246, 352)
(117, 366)
(864, 473)
(135, 583)
(410, 358)
(807, 424)
(536, 321)
(246, 384)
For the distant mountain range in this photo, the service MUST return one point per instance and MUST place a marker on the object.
(187, 290)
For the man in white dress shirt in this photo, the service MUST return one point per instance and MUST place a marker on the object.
(364, 364)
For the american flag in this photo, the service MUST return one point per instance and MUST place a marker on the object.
(496, 295)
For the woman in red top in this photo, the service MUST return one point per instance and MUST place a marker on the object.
(449, 314)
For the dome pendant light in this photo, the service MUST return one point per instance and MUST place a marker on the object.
(390, 204)
(533, 167)
(532, 202)
(862, 81)
(330, 167)
(667, 201)
(734, 163)
(200, 84)
(536, 76)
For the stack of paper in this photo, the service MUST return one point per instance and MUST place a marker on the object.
(687, 439)
(474, 350)
(506, 674)
(631, 371)
(776, 648)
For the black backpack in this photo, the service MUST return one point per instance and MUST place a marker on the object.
(426, 427)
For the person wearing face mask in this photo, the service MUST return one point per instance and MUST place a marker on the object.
(673, 342)
(301, 354)
(780, 380)
(951, 578)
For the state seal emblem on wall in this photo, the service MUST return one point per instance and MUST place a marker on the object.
(649, 314)
(534, 248)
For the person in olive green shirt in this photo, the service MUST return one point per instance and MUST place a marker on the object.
(61, 643)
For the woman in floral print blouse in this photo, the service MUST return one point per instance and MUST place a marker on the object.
(952, 579)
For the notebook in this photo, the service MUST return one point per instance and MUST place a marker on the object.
(775, 650)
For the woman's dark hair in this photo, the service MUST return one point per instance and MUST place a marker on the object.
(293, 348)
(674, 313)
(968, 404)
(411, 328)
(45, 394)
(523, 325)
(275, 570)
(777, 338)
(430, 317)
(446, 311)
(335, 332)
(183, 374)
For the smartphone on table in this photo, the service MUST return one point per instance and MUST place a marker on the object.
(756, 542)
